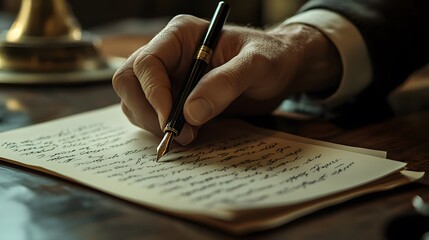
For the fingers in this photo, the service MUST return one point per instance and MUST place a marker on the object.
(165, 60)
(244, 63)
(134, 104)
(155, 85)
(144, 81)
(139, 111)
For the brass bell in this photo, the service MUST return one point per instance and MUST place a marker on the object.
(47, 45)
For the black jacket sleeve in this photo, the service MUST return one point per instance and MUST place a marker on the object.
(396, 33)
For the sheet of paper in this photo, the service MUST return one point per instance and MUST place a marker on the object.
(263, 219)
(232, 166)
(372, 152)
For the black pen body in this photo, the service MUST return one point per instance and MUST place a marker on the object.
(200, 62)
(176, 119)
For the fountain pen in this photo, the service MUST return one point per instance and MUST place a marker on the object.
(201, 60)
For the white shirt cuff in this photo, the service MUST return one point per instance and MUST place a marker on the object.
(357, 69)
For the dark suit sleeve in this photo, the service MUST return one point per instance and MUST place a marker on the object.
(396, 33)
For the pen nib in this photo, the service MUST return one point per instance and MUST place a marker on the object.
(164, 145)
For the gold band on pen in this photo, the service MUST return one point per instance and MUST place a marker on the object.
(170, 129)
(204, 53)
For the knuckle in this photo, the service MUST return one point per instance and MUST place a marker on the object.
(259, 56)
(268, 66)
(265, 50)
(120, 78)
(142, 61)
(142, 67)
(149, 89)
(265, 59)
(116, 79)
(181, 19)
(176, 25)
(151, 81)
(182, 25)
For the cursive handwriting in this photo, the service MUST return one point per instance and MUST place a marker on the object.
(229, 167)
(238, 169)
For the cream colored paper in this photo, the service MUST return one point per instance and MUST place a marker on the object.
(232, 170)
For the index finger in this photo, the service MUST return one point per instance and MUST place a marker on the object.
(165, 60)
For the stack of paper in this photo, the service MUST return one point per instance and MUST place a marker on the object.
(235, 177)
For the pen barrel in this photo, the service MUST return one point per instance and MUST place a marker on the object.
(201, 60)
(176, 119)
(216, 25)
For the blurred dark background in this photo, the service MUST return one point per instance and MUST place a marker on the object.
(95, 13)
(113, 18)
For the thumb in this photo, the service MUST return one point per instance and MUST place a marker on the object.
(219, 88)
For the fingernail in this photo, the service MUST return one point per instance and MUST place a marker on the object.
(199, 110)
(186, 136)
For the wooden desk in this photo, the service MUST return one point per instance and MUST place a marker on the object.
(39, 206)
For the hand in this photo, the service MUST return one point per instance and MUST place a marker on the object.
(251, 72)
